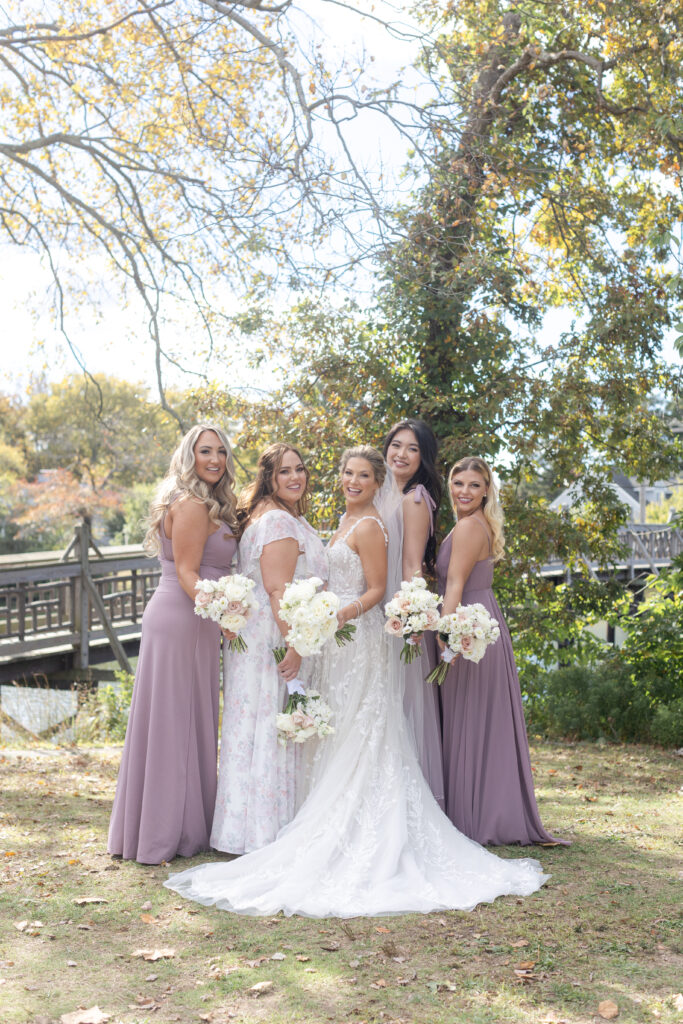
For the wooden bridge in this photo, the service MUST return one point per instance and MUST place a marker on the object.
(647, 550)
(60, 615)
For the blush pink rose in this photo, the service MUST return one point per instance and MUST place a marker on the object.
(394, 626)
(234, 606)
(203, 598)
(467, 644)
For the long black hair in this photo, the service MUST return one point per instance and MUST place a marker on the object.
(426, 473)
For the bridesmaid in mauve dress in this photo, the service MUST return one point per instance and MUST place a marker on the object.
(487, 770)
(410, 449)
(167, 781)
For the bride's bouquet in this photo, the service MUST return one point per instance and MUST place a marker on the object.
(229, 602)
(305, 715)
(311, 615)
(469, 630)
(412, 610)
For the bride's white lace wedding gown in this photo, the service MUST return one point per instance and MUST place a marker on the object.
(370, 838)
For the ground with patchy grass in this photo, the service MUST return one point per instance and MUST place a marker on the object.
(81, 930)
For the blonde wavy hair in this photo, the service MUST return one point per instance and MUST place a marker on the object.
(491, 507)
(182, 480)
(371, 455)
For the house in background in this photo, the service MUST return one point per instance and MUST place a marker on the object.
(636, 495)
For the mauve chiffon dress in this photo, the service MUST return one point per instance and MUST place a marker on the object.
(487, 770)
(166, 789)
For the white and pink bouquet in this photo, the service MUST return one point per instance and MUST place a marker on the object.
(311, 614)
(412, 610)
(229, 602)
(469, 630)
(305, 715)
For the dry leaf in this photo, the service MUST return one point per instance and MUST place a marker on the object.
(147, 918)
(89, 899)
(21, 926)
(151, 977)
(278, 956)
(382, 929)
(380, 983)
(678, 1002)
(519, 943)
(148, 906)
(71, 963)
(144, 1003)
(257, 962)
(260, 988)
(331, 947)
(526, 965)
(92, 1016)
(608, 1009)
(153, 954)
(303, 959)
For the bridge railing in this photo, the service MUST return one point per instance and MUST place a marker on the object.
(52, 605)
(648, 548)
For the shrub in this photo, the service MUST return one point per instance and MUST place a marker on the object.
(103, 713)
(589, 702)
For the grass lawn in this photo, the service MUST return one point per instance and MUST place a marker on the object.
(603, 929)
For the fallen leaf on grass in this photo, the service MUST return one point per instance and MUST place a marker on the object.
(92, 1016)
(382, 930)
(523, 977)
(148, 906)
(257, 962)
(151, 977)
(278, 956)
(147, 918)
(29, 927)
(678, 1001)
(144, 1003)
(302, 959)
(380, 983)
(260, 988)
(442, 986)
(519, 943)
(153, 954)
(608, 1009)
(82, 900)
(331, 947)
(407, 979)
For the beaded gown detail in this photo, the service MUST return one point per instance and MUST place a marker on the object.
(369, 839)
(487, 769)
(167, 781)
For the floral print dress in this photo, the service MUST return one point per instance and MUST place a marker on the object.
(258, 777)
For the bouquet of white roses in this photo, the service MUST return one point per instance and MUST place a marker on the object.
(229, 602)
(311, 615)
(469, 630)
(411, 611)
(305, 715)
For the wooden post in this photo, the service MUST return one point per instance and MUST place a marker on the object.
(89, 590)
(81, 609)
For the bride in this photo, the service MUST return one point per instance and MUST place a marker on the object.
(370, 838)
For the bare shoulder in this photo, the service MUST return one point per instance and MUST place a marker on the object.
(370, 530)
(469, 532)
(414, 511)
(190, 510)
